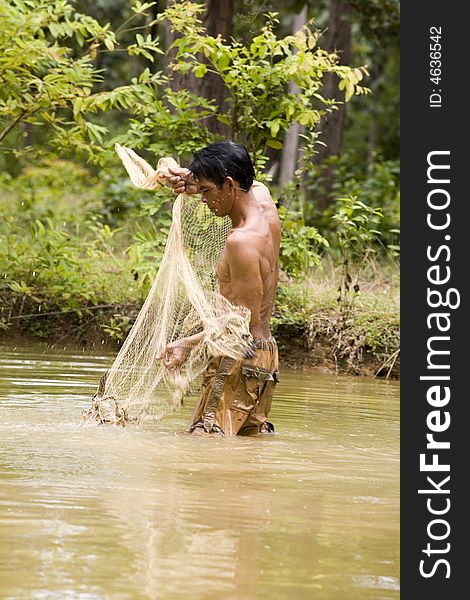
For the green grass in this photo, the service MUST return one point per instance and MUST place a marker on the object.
(368, 327)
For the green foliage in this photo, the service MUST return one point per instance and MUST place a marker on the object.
(39, 192)
(51, 270)
(379, 331)
(40, 71)
(170, 123)
(354, 239)
(380, 18)
(292, 309)
(47, 260)
(299, 244)
(55, 254)
(146, 252)
(119, 199)
(47, 66)
(373, 126)
(256, 75)
(117, 327)
(378, 186)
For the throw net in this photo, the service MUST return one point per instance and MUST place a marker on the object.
(183, 301)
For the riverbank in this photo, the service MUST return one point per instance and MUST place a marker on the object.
(313, 330)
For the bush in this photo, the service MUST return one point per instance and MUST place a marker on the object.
(377, 187)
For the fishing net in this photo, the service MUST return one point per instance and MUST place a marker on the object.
(183, 301)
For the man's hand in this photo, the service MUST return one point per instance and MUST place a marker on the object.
(182, 181)
(175, 354)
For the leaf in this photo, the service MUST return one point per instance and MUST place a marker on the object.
(223, 61)
(108, 42)
(274, 128)
(77, 106)
(54, 29)
(274, 144)
(224, 119)
(95, 131)
(200, 70)
(140, 8)
(349, 91)
(80, 38)
(303, 119)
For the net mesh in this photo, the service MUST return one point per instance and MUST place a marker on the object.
(183, 301)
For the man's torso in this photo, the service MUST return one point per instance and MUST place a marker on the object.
(261, 231)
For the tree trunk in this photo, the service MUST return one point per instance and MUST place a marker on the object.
(291, 138)
(332, 125)
(176, 79)
(218, 18)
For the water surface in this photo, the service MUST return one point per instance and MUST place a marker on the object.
(96, 513)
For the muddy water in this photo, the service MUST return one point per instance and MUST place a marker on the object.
(107, 513)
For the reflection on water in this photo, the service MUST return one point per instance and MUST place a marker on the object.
(91, 513)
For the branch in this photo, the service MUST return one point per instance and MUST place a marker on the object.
(7, 130)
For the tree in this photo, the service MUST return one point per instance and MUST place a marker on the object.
(378, 23)
(217, 20)
(257, 74)
(331, 126)
(41, 74)
(48, 73)
(339, 42)
(289, 154)
(372, 126)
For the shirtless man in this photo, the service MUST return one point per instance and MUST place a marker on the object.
(236, 394)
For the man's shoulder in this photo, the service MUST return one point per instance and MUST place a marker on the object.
(238, 238)
(242, 244)
(264, 198)
(261, 191)
(242, 253)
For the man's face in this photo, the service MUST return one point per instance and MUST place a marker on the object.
(218, 199)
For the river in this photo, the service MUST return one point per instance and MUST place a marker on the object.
(109, 513)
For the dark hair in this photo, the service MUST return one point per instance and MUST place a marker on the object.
(225, 159)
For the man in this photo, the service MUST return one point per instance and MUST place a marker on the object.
(236, 394)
